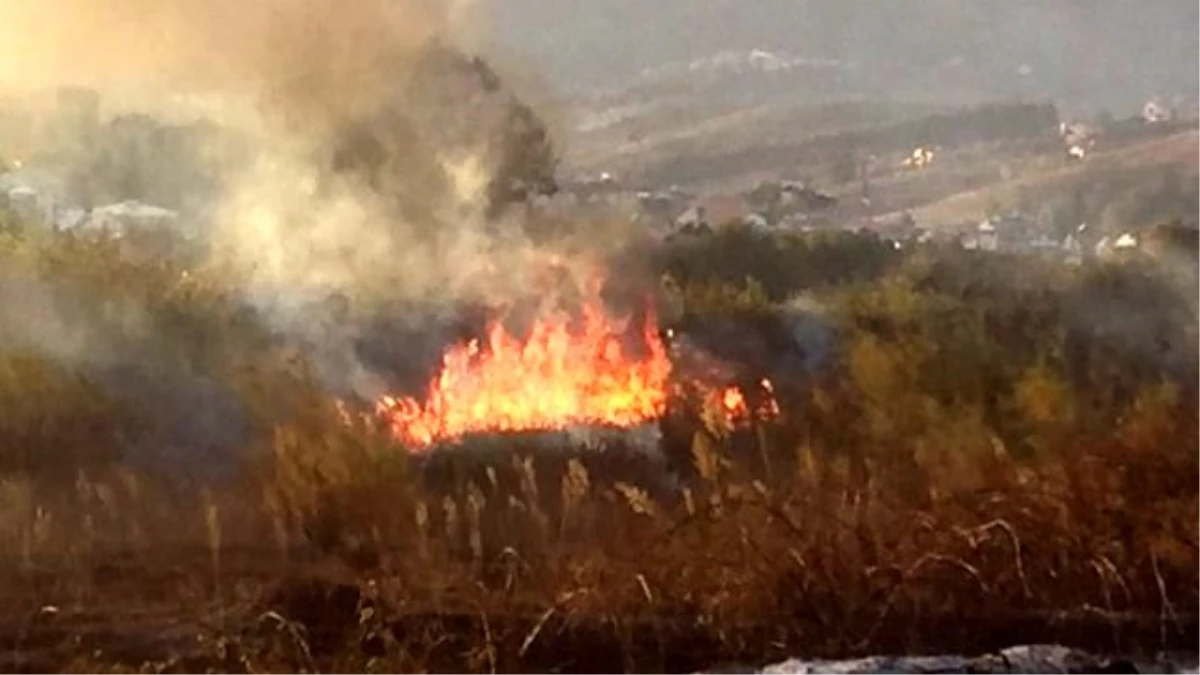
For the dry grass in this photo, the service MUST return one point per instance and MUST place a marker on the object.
(1177, 151)
(351, 561)
(892, 506)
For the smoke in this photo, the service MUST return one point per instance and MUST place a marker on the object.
(184, 418)
(59, 323)
(217, 46)
(811, 330)
(372, 152)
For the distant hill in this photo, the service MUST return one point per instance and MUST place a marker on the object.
(646, 80)
(1179, 152)
(1088, 53)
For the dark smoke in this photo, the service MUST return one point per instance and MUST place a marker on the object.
(452, 102)
(180, 418)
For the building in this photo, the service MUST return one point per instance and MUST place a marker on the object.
(1011, 232)
(783, 201)
(987, 237)
(123, 217)
(660, 208)
(33, 196)
(714, 210)
(920, 158)
(595, 190)
(25, 203)
(1077, 139)
(1155, 112)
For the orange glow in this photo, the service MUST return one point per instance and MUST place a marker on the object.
(732, 402)
(559, 376)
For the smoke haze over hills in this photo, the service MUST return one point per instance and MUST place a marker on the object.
(1095, 54)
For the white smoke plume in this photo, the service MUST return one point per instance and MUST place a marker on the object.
(365, 163)
(295, 78)
(211, 45)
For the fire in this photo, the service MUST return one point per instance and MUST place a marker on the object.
(734, 401)
(559, 376)
(583, 369)
(736, 410)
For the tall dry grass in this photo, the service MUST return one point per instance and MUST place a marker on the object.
(958, 475)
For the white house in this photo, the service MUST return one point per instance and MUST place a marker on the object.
(31, 195)
(1122, 244)
(986, 236)
(1154, 112)
(25, 204)
(1126, 240)
(121, 217)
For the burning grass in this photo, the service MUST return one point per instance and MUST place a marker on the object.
(555, 378)
(1027, 491)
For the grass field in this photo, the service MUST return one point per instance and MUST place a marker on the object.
(976, 465)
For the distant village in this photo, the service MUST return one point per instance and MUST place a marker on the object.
(793, 206)
(65, 169)
(42, 147)
(800, 206)
(68, 187)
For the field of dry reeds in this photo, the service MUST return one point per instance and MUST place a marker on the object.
(993, 451)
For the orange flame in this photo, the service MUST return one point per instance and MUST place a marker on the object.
(732, 403)
(556, 378)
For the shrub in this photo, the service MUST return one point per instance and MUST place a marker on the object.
(783, 263)
(979, 451)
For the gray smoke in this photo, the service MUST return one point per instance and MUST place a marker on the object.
(131, 355)
(371, 159)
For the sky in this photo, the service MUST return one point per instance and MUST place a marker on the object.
(1111, 52)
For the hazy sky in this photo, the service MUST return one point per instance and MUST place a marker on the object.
(1104, 49)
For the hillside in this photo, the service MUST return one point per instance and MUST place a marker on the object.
(1093, 54)
(650, 88)
(1179, 152)
(649, 141)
